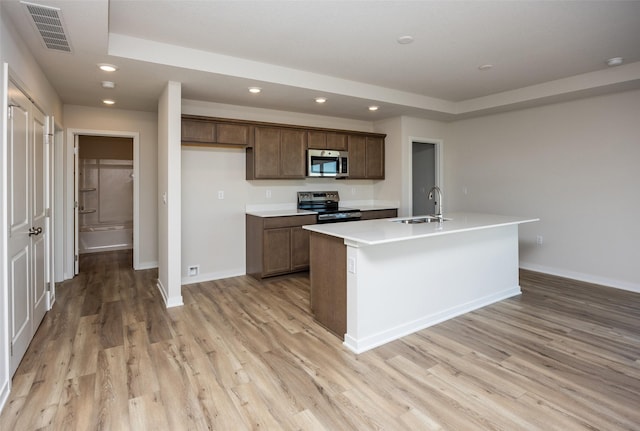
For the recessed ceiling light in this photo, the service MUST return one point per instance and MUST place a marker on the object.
(321, 99)
(615, 61)
(404, 40)
(485, 66)
(108, 102)
(107, 67)
(373, 108)
(255, 90)
(108, 84)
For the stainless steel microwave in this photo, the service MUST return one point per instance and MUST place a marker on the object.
(327, 163)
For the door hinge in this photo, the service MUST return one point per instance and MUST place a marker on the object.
(75, 204)
(47, 212)
(75, 150)
(75, 258)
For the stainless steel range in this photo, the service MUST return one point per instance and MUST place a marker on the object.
(327, 205)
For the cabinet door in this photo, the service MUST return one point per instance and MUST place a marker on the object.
(277, 251)
(234, 134)
(337, 141)
(299, 248)
(375, 158)
(317, 140)
(267, 152)
(357, 156)
(293, 146)
(198, 131)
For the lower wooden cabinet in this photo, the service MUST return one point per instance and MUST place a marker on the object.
(277, 245)
(328, 279)
(376, 214)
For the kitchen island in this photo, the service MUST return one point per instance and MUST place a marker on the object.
(375, 281)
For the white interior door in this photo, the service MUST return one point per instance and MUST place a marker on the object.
(39, 189)
(27, 255)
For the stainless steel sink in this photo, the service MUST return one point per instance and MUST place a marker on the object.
(417, 220)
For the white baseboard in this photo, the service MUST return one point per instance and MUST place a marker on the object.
(589, 278)
(367, 343)
(146, 265)
(174, 301)
(210, 276)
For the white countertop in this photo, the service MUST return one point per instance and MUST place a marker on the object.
(284, 210)
(281, 212)
(381, 231)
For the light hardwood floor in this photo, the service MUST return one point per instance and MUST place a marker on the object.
(242, 354)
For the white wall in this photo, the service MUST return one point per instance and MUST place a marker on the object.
(574, 165)
(169, 194)
(146, 125)
(213, 230)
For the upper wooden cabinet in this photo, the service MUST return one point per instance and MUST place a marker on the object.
(366, 157)
(277, 153)
(320, 140)
(203, 132)
(211, 131)
(374, 157)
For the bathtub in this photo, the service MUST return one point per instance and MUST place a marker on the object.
(105, 237)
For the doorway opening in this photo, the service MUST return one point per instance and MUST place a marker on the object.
(425, 173)
(105, 193)
(109, 217)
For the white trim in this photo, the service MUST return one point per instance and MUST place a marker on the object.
(147, 265)
(210, 276)
(70, 193)
(439, 167)
(5, 357)
(580, 276)
(367, 343)
(168, 302)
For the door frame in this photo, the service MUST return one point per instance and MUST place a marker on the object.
(71, 195)
(439, 171)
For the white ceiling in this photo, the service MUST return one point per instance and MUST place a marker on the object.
(541, 51)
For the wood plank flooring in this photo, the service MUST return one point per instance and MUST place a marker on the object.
(247, 355)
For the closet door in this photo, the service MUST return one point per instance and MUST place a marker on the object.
(27, 251)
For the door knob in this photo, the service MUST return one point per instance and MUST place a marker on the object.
(35, 231)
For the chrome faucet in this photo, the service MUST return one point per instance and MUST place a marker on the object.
(437, 202)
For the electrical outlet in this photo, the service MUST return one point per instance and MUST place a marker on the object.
(351, 265)
(193, 270)
(221, 194)
(539, 239)
(268, 194)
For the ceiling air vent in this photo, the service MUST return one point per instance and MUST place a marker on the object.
(49, 23)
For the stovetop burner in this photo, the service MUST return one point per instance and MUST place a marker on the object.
(327, 205)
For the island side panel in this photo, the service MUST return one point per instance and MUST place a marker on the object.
(402, 287)
(328, 276)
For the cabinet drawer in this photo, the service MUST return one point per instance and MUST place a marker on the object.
(288, 221)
